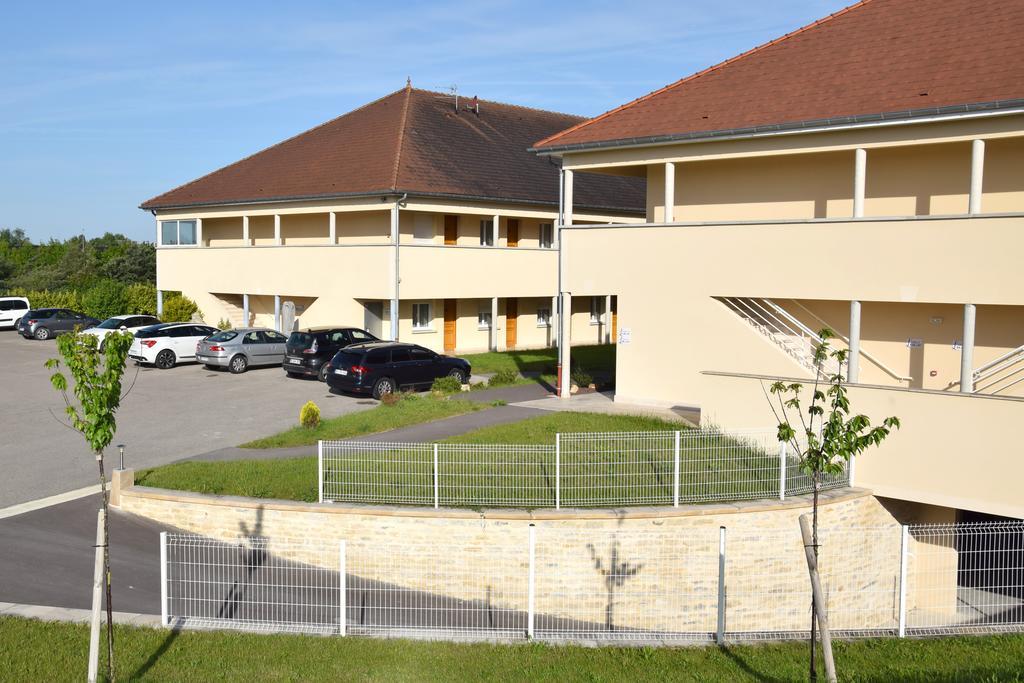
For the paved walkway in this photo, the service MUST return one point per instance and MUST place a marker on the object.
(604, 402)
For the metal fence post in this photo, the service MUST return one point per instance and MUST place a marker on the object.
(437, 480)
(531, 583)
(342, 584)
(720, 633)
(558, 471)
(782, 470)
(904, 538)
(675, 473)
(163, 579)
(850, 470)
(320, 469)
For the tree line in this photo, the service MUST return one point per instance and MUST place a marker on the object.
(101, 277)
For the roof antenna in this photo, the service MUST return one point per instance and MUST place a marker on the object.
(408, 82)
(453, 90)
(476, 105)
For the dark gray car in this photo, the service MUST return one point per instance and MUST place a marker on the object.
(239, 349)
(44, 323)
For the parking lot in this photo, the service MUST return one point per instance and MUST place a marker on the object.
(167, 415)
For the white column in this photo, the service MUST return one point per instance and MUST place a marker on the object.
(494, 231)
(977, 176)
(853, 371)
(395, 237)
(277, 229)
(860, 165)
(608, 319)
(245, 231)
(553, 321)
(199, 232)
(967, 351)
(494, 323)
(159, 237)
(332, 228)
(670, 191)
(159, 303)
(245, 310)
(567, 197)
(277, 312)
(564, 350)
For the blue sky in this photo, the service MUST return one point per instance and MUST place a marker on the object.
(104, 104)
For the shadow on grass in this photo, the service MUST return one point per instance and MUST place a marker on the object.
(155, 657)
(745, 667)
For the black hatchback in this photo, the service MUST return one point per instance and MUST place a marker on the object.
(308, 351)
(385, 367)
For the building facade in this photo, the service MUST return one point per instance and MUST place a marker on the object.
(418, 217)
(850, 175)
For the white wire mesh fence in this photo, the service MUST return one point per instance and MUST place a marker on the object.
(657, 586)
(578, 470)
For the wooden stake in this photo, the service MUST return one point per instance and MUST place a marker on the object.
(819, 598)
(97, 601)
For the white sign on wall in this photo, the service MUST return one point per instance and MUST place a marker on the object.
(625, 335)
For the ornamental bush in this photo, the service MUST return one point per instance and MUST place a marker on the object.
(503, 377)
(140, 299)
(309, 416)
(446, 385)
(179, 309)
(104, 299)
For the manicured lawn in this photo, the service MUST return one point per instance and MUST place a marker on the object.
(288, 479)
(412, 409)
(542, 429)
(598, 357)
(38, 651)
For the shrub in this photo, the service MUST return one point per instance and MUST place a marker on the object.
(580, 377)
(224, 324)
(104, 299)
(48, 298)
(140, 299)
(447, 385)
(309, 416)
(503, 377)
(179, 309)
(391, 399)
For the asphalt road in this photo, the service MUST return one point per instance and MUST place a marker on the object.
(166, 416)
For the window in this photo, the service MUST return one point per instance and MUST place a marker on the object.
(544, 317)
(486, 233)
(360, 336)
(13, 305)
(377, 357)
(547, 235)
(596, 310)
(421, 317)
(400, 355)
(423, 228)
(483, 318)
(422, 354)
(177, 233)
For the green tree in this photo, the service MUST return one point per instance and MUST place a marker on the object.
(140, 298)
(831, 435)
(105, 298)
(97, 396)
(178, 308)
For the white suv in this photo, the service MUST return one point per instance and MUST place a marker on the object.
(11, 310)
(168, 344)
(120, 323)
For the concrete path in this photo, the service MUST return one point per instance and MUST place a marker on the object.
(604, 402)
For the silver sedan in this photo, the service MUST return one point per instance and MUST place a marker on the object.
(239, 349)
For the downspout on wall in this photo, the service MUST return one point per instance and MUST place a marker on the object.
(397, 238)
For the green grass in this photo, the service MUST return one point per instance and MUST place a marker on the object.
(542, 429)
(599, 357)
(287, 479)
(412, 409)
(39, 651)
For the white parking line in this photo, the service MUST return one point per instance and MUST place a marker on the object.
(41, 503)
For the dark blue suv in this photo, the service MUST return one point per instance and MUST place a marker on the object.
(384, 367)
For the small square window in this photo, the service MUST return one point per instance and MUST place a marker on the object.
(547, 235)
(421, 317)
(543, 317)
(486, 233)
(176, 233)
(483, 319)
(168, 232)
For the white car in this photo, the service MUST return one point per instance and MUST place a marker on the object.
(120, 323)
(11, 310)
(167, 344)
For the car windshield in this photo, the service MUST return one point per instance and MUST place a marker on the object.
(226, 335)
(111, 324)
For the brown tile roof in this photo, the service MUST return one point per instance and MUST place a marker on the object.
(411, 141)
(899, 57)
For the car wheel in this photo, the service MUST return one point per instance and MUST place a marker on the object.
(165, 359)
(385, 385)
(42, 334)
(238, 364)
(458, 374)
(322, 375)
(103, 346)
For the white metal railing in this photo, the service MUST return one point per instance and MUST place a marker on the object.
(578, 470)
(666, 584)
(878, 363)
(1001, 373)
(784, 330)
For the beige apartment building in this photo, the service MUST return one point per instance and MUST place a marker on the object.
(866, 174)
(420, 216)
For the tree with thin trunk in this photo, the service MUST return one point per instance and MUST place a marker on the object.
(97, 393)
(825, 436)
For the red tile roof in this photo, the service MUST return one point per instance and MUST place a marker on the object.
(900, 57)
(411, 141)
